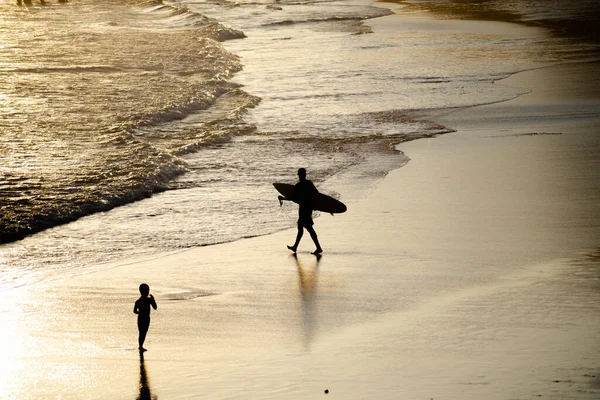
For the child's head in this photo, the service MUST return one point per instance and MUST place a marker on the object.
(144, 289)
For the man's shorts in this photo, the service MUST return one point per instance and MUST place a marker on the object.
(305, 218)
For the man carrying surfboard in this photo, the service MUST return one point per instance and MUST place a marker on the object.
(304, 191)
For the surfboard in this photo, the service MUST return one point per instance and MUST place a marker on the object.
(320, 201)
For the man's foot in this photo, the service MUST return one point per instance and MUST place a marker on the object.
(292, 248)
(317, 251)
(141, 349)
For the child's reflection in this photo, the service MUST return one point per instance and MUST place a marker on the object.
(145, 393)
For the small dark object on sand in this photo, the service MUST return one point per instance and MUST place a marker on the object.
(326, 391)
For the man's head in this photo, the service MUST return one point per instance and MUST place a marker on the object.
(302, 173)
(144, 290)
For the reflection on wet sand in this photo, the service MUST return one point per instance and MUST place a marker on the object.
(145, 392)
(587, 268)
(307, 284)
(591, 258)
(483, 11)
(564, 18)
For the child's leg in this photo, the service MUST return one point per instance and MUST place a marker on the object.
(143, 328)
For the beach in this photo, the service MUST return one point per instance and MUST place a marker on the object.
(472, 271)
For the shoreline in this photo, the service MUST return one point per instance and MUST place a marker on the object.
(7, 238)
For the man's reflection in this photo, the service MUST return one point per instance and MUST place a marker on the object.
(307, 284)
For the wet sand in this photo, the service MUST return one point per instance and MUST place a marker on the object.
(473, 272)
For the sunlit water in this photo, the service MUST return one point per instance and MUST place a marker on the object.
(203, 104)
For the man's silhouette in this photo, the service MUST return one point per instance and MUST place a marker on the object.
(303, 194)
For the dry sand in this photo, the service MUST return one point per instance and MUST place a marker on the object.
(470, 273)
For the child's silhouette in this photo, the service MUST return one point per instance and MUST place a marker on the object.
(142, 309)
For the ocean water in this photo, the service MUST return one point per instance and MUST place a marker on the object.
(132, 128)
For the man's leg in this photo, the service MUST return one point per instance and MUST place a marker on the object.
(298, 237)
(315, 239)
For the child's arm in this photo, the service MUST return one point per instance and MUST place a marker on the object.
(136, 308)
(153, 302)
